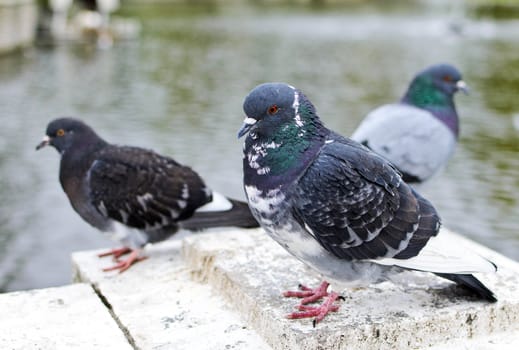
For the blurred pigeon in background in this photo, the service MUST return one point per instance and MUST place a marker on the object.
(419, 133)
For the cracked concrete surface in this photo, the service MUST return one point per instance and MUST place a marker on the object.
(222, 290)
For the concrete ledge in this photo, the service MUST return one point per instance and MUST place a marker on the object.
(226, 286)
(71, 317)
(419, 310)
(160, 307)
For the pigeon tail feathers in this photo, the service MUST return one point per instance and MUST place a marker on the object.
(472, 284)
(236, 214)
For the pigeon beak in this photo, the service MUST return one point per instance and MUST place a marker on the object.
(247, 124)
(43, 143)
(461, 85)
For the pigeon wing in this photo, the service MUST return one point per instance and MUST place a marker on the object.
(355, 204)
(143, 189)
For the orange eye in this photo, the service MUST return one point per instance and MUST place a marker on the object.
(60, 132)
(447, 78)
(272, 110)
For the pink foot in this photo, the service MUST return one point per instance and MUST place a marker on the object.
(117, 252)
(309, 295)
(124, 265)
(319, 312)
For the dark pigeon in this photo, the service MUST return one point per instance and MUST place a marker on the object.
(337, 206)
(136, 194)
(419, 133)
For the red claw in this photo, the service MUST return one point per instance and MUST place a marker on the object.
(123, 265)
(116, 252)
(311, 295)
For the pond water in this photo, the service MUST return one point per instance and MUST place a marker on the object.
(180, 87)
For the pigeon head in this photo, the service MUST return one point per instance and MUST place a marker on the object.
(435, 86)
(284, 133)
(67, 133)
(277, 108)
(433, 90)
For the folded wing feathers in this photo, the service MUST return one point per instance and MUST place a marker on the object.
(391, 219)
(359, 208)
(143, 189)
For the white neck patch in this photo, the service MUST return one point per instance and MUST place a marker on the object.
(295, 105)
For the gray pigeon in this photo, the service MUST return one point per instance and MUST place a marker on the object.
(419, 133)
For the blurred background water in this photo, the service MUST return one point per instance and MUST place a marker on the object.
(179, 89)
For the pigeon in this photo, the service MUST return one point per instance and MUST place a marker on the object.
(337, 206)
(419, 133)
(136, 194)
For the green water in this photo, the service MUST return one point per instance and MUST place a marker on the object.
(180, 87)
